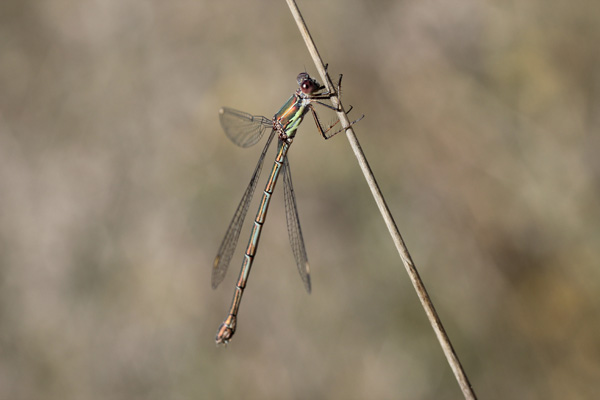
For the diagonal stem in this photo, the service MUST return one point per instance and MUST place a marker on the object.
(411, 269)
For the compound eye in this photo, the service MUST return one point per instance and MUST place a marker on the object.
(302, 76)
(307, 87)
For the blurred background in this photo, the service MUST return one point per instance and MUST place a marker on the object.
(117, 184)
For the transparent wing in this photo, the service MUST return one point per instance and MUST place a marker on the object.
(242, 128)
(233, 231)
(293, 224)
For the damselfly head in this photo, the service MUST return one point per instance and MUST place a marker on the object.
(307, 84)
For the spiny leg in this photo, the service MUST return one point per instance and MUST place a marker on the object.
(322, 131)
(326, 96)
(343, 129)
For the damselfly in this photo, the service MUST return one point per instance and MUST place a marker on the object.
(246, 130)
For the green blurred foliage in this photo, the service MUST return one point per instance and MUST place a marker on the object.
(116, 186)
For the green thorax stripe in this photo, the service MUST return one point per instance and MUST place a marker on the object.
(290, 115)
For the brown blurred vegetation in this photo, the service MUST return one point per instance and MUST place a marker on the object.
(116, 186)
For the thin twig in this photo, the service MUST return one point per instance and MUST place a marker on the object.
(411, 269)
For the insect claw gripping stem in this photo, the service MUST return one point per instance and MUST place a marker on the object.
(339, 90)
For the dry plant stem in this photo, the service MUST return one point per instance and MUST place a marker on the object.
(432, 315)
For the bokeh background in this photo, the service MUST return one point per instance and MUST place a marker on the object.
(117, 184)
